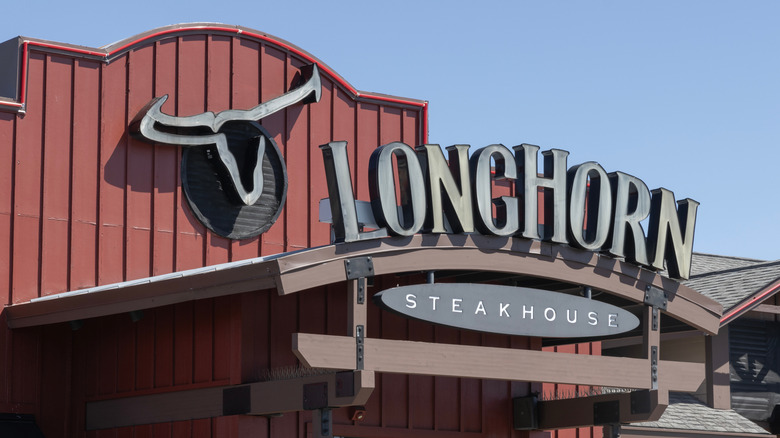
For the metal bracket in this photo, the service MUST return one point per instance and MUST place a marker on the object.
(322, 419)
(359, 338)
(357, 267)
(361, 290)
(654, 367)
(655, 319)
(655, 297)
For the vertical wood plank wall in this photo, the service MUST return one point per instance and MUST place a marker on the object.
(83, 204)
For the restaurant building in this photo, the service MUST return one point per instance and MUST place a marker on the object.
(209, 232)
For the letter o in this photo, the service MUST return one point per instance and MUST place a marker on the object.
(599, 204)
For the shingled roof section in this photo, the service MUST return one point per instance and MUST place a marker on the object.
(686, 412)
(704, 263)
(731, 280)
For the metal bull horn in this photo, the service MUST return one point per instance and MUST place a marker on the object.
(151, 124)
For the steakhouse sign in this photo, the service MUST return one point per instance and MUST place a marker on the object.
(584, 206)
(507, 310)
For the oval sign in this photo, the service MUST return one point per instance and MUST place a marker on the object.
(507, 310)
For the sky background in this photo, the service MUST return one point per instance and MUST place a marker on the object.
(683, 95)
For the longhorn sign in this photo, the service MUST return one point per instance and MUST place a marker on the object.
(232, 146)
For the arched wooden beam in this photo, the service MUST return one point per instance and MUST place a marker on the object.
(325, 265)
(306, 269)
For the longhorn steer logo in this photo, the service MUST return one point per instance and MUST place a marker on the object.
(233, 174)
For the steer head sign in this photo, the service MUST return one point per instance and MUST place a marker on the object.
(232, 172)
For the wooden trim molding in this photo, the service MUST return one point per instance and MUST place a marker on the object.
(294, 272)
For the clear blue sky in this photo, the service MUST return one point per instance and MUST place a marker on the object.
(684, 95)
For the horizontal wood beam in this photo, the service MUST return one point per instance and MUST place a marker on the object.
(261, 398)
(631, 407)
(407, 357)
(767, 308)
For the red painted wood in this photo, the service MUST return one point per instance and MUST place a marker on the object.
(343, 119)
(245, 94)
(113, 175)
(298, 156)
(27, 190)
(273, 70)
(124, 336)
(203, 341)
(166, 189)
(140, 168)
(145, 344)
(255, 335)
(84, 175)
(218, 99)
(107, 356)
(56, 170)
(320, 127)
(163, 346)
(6, 346)
(162, 430)
(391, 127)
(84, 204)
(201, 428)
(6, 219)
(409, 129)
(191, 88)
(367, 139)
(183, 344)
(223, 354)
(55, 378)
(182, 429)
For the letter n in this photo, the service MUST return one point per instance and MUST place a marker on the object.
(671, 230)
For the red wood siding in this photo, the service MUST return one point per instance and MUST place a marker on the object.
(84, 204)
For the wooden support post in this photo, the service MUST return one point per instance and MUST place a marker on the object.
(357, 313)
(651, 341)
(716, 349)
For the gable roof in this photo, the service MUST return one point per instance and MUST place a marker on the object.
(738, 284)
(705, 263)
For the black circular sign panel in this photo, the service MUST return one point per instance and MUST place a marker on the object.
(209, 189)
